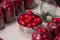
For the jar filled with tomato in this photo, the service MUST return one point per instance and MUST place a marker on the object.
(29, 4)
(8, 9)
(13, 4)
(2, 24)
(19, 7)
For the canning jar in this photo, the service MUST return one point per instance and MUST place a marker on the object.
(2, 25)
(48, 9)
(13, 4)
(29, 4)
(19, 7)
(41, 34)
(9, 12)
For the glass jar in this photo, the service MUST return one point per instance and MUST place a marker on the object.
(2, 25)
(29, 4)
(41, 34)
(19, 6)
(9, 12)
(13, 4)
(48, 9)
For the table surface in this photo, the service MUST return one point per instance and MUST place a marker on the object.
(12, 31)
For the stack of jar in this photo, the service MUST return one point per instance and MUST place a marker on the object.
(10, 9)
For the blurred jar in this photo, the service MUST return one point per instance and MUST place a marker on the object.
(48, 9)
(2, 25)
(19, 7)
(9, 12)
(41, 33)
(13, 4)
(29, 4)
